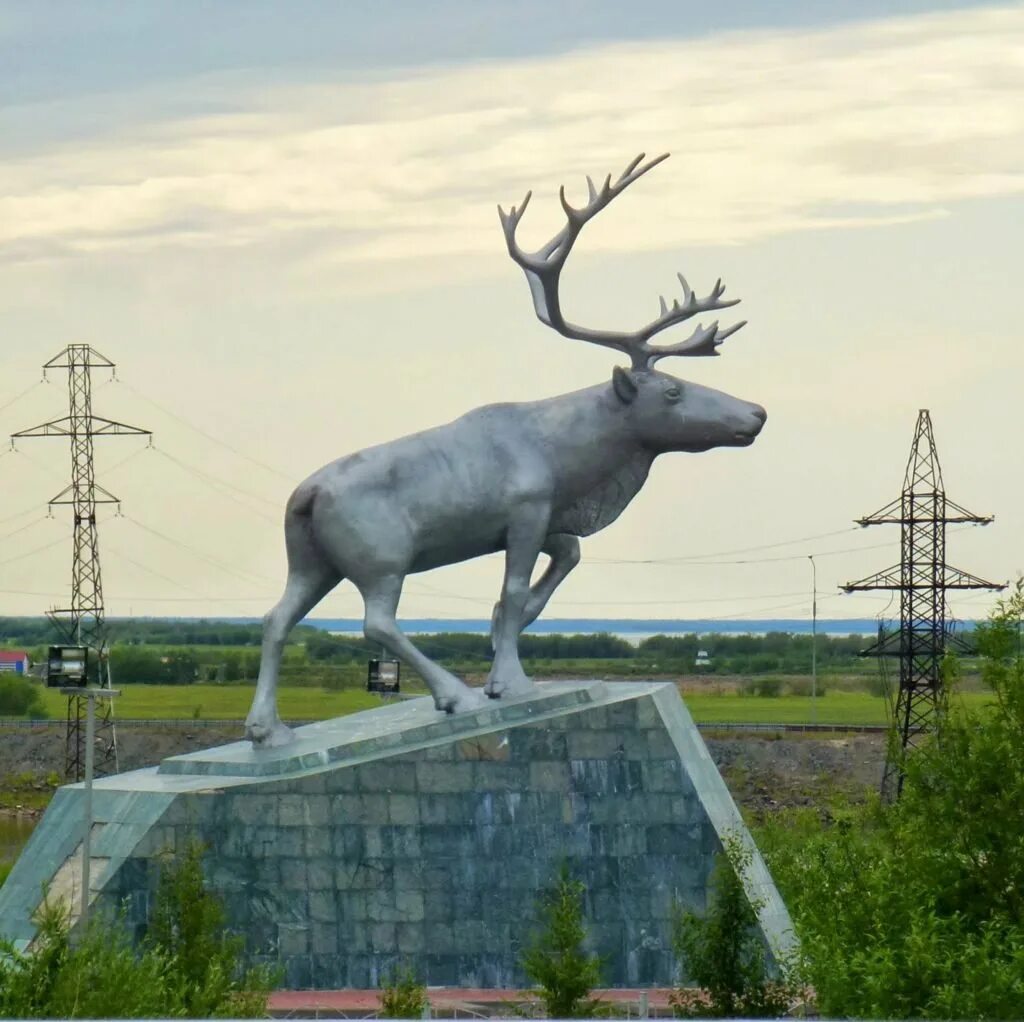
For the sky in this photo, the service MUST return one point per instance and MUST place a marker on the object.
(279, 221)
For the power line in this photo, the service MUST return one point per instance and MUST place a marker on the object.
(224, 489)
(34, 509)
(208, 558)
(726, 553)
(37, 465)
(203, 433)
(23, 528)
(123, 461)
(18, 397)
(675, 562)
(32, 553)
(152, 571)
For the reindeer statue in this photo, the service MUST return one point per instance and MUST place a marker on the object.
(526, 478)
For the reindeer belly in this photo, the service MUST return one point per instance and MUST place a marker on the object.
(454, 553)
(603, 503)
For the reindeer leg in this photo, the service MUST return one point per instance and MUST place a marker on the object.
(304, 590)
(564, 552)
(523, 544)
(381, 599)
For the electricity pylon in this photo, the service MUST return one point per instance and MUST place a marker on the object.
(922, 578)
(83, 622)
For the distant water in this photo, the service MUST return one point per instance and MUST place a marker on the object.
(633, 630)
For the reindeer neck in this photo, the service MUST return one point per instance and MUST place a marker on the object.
(600, 464)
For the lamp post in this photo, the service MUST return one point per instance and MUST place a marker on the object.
(90, 694)
(814, 639)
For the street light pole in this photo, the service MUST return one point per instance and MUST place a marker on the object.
(814, 639)
(91, 694)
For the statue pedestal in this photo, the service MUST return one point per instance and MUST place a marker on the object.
(403, 836)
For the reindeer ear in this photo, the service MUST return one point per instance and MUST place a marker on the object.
(624, 385)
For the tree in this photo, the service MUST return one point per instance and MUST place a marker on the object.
(187, 928)
(723, 953)
(19, 697)
(917, 909)
(556, 960)
(188, 968)
(403, 996)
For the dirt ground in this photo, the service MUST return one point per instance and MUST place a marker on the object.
(764, 771)
(40, 749)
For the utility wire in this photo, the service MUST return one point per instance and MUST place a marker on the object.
(685, 562)
(208, 558)
(23, 528)
(38, 465)
(20, 514)
(134, 454)
(220, 487)
(150, 571)
(728, 553)
(216, 480)
(18, 397)
(32, 553)
(203, 433)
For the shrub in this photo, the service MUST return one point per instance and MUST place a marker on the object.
(403, 996)
(723, 953)
(188, 967)
(556, 960)
(101, 976)
(768, 687)
(880, 684)
(20, 697)
(187, 927)
(802, 687)
(916, 909)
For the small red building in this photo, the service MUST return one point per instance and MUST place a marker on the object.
(14, 661)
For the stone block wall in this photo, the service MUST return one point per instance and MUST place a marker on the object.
(435, 857)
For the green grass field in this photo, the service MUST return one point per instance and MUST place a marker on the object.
(222, 702)
(231, 702)
(832, 708)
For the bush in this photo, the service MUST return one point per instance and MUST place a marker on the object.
(188, 967)
(20, 697)
(916, 909)
(723, 953)
(880, 684)
(556, 960)
(187, 928)
(403, 996)
(101, 976)
(769, 688)
(802, 687)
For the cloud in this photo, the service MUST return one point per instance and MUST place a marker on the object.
(773, 132)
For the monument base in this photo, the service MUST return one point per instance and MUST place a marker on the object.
(400, 836)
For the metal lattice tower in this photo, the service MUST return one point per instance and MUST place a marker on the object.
(83, 622)
(922, 579)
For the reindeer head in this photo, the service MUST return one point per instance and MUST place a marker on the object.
(666, 414)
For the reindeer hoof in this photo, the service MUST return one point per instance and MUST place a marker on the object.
(463, 701)
(507, 684)
(270, 734)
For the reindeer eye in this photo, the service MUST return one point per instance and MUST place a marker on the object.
(673, 393)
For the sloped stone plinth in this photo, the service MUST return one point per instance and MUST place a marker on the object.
(402, 835)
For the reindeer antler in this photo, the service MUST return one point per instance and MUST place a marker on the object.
(543, 268)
